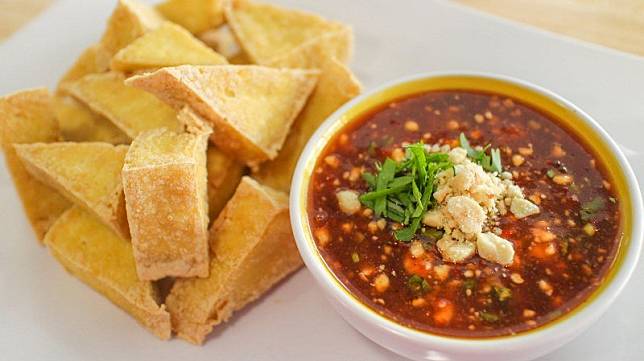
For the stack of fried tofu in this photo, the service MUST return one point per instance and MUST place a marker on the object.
(165, 154)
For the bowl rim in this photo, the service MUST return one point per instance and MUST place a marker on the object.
(581, 317)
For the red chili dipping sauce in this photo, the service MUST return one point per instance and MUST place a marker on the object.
(561, 254)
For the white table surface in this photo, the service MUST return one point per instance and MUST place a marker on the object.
(47, 315)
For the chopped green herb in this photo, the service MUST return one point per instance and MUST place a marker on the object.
(403, 191)
(386, 174)
(418, 285)
(407, 233)
(502, 293)
(496, 159)
(469, 284)
(433, 234)
(590, 209)
(491, 163)
(355, 257)
(369, 178)
(488, 316)
(550, 173)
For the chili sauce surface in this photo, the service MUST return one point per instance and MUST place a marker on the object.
(561, 255)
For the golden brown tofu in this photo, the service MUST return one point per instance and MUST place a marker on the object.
(130, 109)
(195, 15)
(27, 117)
(250, 107)
(165, 184)
(267, 32)
(224, 171)
(223, 41)
(130, 20)
(79, 124)
(224, 175)
(87, 63)
(89, 174)
(252, 249)
(316, 52)
(97, 256)
(168, 45)
(336, 86)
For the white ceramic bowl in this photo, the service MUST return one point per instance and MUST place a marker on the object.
(421, 345)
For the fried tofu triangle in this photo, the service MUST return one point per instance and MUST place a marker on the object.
(27, 117)
(130, 109)
(267, 32)
(87, 63)
(195, 15)
(224, 172)
(89, 174)
(224, 175)
(252, 249)
(79, 124)
(223, 41)
(250, 107)
(169, 45)
(336, 86)
(316, 52)
(164, 179)
(130, 20)
(104, 261)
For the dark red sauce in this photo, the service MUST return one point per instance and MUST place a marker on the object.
(548, 278)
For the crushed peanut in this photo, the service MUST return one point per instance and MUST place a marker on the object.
(332, 161)
(518, 160)
(416, 249)
(479, 118)
(381, 282)
(545, 287)
(516, 278)
(411, 126)
(562, 179)
(469, 199)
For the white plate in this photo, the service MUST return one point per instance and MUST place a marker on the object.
(47, 315)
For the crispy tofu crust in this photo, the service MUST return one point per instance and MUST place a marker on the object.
(87, 63)
(314, 53)
(88, 174)
(130, 109)
(224, 175)
(104, 261)
(336, 86)
(252, 249)
(192, 122)
(224, 172)
(129, 20)
(222, 40)
(79, 124)
(266, 32)
(195, 15)
(168, 45)
(250, 107)
(165, 180)
(26, 117)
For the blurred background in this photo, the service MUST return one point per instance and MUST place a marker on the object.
(617, 24)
